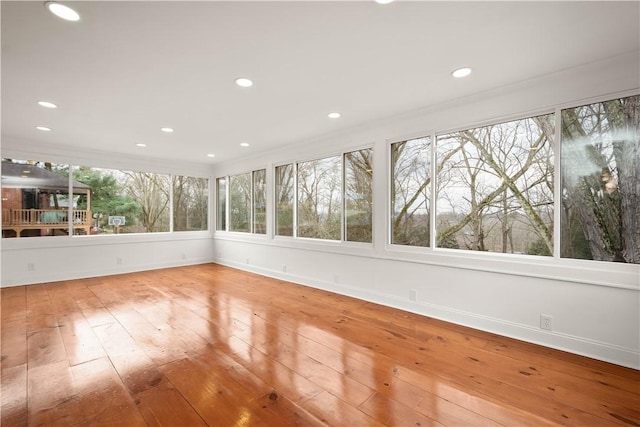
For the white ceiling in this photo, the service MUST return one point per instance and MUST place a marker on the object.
(126, 69)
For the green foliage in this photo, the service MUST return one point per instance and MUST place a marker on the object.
(538, 247)
(107, 195)
(449, 241)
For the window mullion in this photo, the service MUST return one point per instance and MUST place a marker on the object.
(70, 204)
(252, 202)
(171, 213)
(295, 200)
(433, 173)
(343, 220)
(557, 183)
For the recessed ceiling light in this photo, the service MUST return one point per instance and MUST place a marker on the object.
(244, 144)
(62, 11)
(384, 1)
(211, 155)
(244, 82)
(461, 72)
(141, 145)
(166, 130)
(47, 104)
(43, 128)
(333, 115)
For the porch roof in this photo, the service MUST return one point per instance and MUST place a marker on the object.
(19, 175)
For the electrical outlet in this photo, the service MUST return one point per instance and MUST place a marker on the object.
(31, 267)
(546, 322)
(413, 295)
(119, 261)
(247, 260)
(184, 256)
(284, 268)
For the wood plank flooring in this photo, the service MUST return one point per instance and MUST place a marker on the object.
(210, 345)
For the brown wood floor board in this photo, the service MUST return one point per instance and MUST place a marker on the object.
(13, 395)
(211, 345)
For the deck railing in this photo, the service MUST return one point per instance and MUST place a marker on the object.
(23, 219)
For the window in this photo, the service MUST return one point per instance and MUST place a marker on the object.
(495, 188)
(221, 212)
(319, 199)
(260, 201)
(410, 171)
(124, 201)
(240, 203)
(247, 202)
(285, 197)
(600, 157)
(190, 203)
(329, 198)
(35, 199)
(358, 196)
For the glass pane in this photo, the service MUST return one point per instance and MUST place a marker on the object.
(320, 199)
(240, 202)
(600, 148)
(495, 188)
(358, 195)
(125, 201)
(190, 203)
(151, 193)
(221, 212)
(284, 200)
(260, 201)
(410, 168)
(35, 199)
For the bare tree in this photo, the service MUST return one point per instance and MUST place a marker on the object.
(601, 181)
(359, 196)
(190, 203)
(151, 192)
(240, 202)
(319, 198)
(410, 192)
(500, 178)
(285, 193)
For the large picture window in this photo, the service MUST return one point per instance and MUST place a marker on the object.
(600, 218)
(126, 201)
(495, 188)
(36, 201)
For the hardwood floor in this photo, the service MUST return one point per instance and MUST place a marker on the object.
(210, 345)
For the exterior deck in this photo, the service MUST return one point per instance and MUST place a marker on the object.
(46, 220)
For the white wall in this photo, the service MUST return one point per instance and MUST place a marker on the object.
(48, 259)
(54, 258)
(595, 306)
